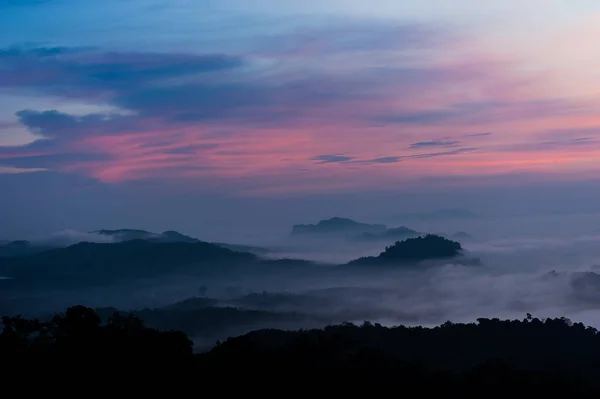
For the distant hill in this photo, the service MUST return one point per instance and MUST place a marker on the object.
(441, 214)
(243, 248)
(338, 226)
(351, 229)
(134, 234)
(396, 233)
(125, 234)
(98, 262)
(170, 236)
(418, 249)
(20, 248)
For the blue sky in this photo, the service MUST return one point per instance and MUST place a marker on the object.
(277, 99)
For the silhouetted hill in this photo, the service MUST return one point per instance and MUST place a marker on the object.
(216, 322)
(20, 248)
(193, 303)
(79, 335)
(414, 250)
(396, 233)
(125, 234)
(551, 345)
(170, 236)
(441, 214)
(243, 248)
(490, 358)
(338, 226)
(348, 228)
(98, 262)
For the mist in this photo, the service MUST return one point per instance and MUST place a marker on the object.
(70, 237)
(547, 267)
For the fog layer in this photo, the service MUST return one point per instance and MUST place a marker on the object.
(547, 267)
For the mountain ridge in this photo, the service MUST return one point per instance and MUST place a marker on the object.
(350, 228)
(414, 250)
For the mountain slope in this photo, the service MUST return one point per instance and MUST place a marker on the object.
(428, 247)
(20, 248)
(170, 236)
(89, 261)
(338, 226)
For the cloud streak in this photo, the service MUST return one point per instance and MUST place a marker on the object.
(77, 72)
(433, 143)
(382, 93)
(324, 159)
(331, 159)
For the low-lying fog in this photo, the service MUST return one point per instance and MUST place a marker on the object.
(534, 265)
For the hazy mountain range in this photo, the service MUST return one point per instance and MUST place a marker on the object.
(24, 247)
(165, 254)
(348, 228)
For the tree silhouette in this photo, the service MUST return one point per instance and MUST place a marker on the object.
(491, 357)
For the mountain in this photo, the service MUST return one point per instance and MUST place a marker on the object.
(243, 248)
(134, 234)
(428, 247)
(125, 234)
(352, 229)
(441, 214)
(338, 226)
(20, 248)
(26, 248)
(104, 262)
(171, 236)
(396, 233)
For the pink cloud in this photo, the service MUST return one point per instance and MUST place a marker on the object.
(263, 134)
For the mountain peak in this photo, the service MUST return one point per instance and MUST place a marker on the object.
(339, 226)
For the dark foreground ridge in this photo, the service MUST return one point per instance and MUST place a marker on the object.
(487, 357)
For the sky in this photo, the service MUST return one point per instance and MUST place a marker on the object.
(178, 113)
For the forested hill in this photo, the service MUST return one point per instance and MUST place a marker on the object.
(486, 358)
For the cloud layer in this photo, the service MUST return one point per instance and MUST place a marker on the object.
(363, 104)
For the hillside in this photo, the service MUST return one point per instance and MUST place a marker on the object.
(489, 358)
(17, 248)
(338, 226)
(428, 247)
(91, 261)
(170, 236)
(528, 344)
(125, 234)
